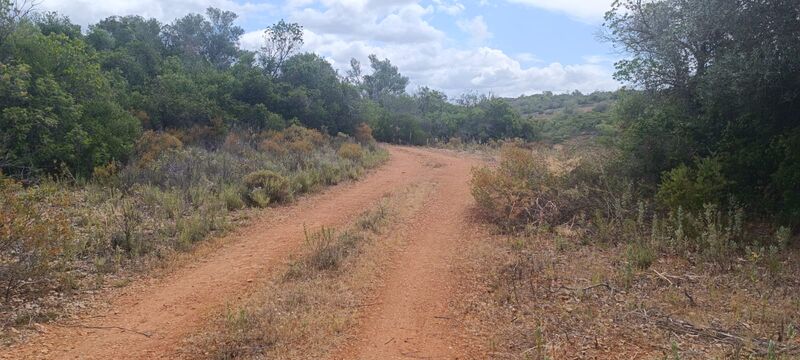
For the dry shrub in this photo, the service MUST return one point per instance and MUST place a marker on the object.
(273, 147)
(520, 191)
(106, 175)
(351, 152)
(302, 147)
(294, 139)
(267, 186)
(235, 144)
(298, 133)
(455, 143)
(31, 237)
(363, 134)
(152, 144)
(204, 136)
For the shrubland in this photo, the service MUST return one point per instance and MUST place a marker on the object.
(672, 230)
(61, 237)
(590, 259)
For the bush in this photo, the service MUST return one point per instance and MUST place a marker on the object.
(520, 191)
(640, 255)
(692, 188)
(151, 145)
(267, 186)
(363, 134)
(351, 152)
(232, 197)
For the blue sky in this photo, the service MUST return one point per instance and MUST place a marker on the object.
(504, 47)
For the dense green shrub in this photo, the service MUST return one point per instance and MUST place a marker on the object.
(693, 187)
(58, 108)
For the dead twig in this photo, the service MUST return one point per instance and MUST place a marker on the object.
(691, 299)
(663, 277)
(605, 285)
(103, 328)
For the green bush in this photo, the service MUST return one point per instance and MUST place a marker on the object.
(640, 255)
(693, 187)
(232, 197)
(265, 187)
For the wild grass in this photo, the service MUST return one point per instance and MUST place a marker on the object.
(70, 235)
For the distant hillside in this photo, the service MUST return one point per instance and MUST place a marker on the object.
(547, 103)
(558, 117)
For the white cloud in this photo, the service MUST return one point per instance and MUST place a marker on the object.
(85, 12)
(378, 20)
(450, 8)
(528, 58)
(476, 28)
(454, 71)
(599, 59)
(395, 29)
(590, 11)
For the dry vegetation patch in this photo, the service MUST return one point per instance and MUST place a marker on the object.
(609, 278)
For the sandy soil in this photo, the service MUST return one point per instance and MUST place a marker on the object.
(412, 318)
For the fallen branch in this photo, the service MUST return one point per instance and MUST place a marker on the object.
(605, 285)
(663, 277)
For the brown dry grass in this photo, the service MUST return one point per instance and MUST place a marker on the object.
(548, 296)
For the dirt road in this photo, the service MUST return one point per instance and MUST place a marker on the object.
(410, 320)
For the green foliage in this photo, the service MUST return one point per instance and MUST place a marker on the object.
(282, 40)
(267, 186)
(384, 80)
(720, 81)
(640, 255)
(548, 104)
(59, 109)
(693, 187)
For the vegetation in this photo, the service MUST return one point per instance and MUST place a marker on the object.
(59, 236)
(691, 173)
(588, 247)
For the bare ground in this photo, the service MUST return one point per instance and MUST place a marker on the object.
(150, 318)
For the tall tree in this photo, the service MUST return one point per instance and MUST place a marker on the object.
(222, 48)
(213, 38)
(281, 41)
(11, 12)
(384, 80)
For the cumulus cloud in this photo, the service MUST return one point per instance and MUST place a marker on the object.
(399, 30)
(85, 12)
(590, 11)
(476, 28)
(392, 21)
